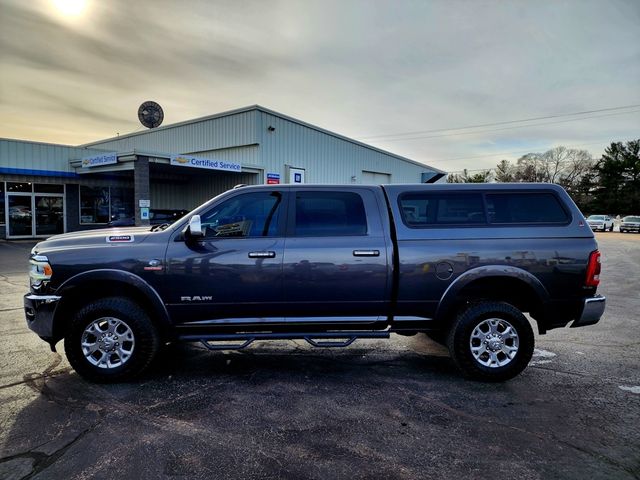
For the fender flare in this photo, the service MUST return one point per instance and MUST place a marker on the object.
(159, 313)
(448, 299)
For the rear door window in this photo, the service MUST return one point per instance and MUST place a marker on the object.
(322, 214)
(528, 207)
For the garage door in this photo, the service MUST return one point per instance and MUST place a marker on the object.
(375, 178)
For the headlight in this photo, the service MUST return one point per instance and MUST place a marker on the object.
(40, 271)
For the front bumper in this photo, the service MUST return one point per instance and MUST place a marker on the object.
(592, 311)
(597, 226)
(630, 228)
(39, 310)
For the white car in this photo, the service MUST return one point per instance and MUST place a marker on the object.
(600, 222)
(630, 223)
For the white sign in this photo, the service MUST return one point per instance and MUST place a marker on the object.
(206, 163)
(296, 175)
(99, 160)
(144, 203)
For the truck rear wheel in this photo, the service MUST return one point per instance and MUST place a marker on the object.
(111, 340)
(491, 341)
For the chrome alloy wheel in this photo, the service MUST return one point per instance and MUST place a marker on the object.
(494, 342)
(107, 342)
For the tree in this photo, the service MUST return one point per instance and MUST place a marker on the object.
(618, 179)
(570, 168)
(505, 172)
(483, 176)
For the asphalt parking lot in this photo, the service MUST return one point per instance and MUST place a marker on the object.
(377, 409)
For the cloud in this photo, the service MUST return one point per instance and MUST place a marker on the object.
(360, 68)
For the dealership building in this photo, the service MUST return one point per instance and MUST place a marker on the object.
(47, 189)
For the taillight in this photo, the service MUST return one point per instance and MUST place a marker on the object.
(593, 270)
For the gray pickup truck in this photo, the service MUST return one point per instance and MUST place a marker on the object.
(327, 264)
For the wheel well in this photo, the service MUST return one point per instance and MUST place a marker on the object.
(503, 289)
(80, 295)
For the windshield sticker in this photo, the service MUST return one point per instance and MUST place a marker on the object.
(120, 239)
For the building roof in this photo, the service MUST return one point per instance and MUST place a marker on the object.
(270, 112)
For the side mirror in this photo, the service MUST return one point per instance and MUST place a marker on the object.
(195, 227)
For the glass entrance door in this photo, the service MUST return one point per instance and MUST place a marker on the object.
(49, 214)
(19, 215)
(34, 215)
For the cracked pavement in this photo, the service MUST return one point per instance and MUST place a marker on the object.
(377, 409)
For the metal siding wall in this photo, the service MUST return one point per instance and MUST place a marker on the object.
(197, 191)
(327, 159)
(244, 155)
(224, 132)
(40, 156)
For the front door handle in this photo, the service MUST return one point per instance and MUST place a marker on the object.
(366, 253)
(262, 254)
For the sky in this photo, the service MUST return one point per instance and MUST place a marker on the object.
(404, 76)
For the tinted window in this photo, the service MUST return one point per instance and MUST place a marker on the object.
(525, 208)
(94, 204)
(2, 203)
(428, 209)
(48, 188)
(248, 215)
(122, 203)
(19, 187)
(329, 213)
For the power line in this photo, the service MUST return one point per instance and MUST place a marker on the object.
(477, 132)
(520, 151)
(498, 123)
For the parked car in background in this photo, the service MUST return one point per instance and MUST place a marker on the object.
(600, 222)
(156, 217)
(630, 223)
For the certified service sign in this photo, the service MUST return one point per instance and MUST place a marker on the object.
(206, 163)
(99, 160)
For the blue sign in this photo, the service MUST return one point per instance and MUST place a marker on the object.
(273, 178)
(99, 160)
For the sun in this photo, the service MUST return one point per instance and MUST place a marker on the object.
(70, 8)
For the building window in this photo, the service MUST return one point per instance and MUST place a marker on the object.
(103, 204)
(48, 188)
(2, 220)
(121, 203)
(23, 187)
(94, 204)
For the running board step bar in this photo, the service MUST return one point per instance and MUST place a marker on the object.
(320, 340)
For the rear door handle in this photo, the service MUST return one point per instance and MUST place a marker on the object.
(366, 253)
(262, 254)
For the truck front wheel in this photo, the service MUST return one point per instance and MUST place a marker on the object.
(111, 340)
(491, 341)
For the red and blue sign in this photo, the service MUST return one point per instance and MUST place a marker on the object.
(273, 178)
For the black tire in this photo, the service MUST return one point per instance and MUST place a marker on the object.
(459, 341)
(143, 350)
